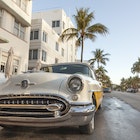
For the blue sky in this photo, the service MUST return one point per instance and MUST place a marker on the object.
(122, 17)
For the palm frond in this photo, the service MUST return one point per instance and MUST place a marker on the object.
(98, 28)
(68, 34)
(90, 36)
(83, 18)
(78, 42)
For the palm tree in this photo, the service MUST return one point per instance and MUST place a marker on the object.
(99, 57)
(131, 82)
(136, 67)
(106, 81)
(124, 84)
(101, 75)
(83, 29)
(136, 82)
(100, 72)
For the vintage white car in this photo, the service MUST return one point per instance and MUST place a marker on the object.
(65, 94)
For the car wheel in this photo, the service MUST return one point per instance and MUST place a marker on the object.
(100, 106)
(89, 128)
(93, 99)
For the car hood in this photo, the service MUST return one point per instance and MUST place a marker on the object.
(37, 83)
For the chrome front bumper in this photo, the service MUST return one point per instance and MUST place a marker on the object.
(78, 115)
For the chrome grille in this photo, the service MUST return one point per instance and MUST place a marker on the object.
(31, 105)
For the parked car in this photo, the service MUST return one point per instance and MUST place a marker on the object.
(132, 90)
(107, 90)
(65, 94)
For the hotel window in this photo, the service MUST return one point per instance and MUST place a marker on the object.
(15, 66)
(22, 32)
(44, 36)
(34, 35)
(2, 69)
(44, 55)
(57, 46)
(16, 28)
(19, 30)
(33, 54)
(53, 23)
(56, 23)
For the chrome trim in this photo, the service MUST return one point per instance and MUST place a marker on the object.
(83, 109)
(74, 76)
(77, 116)
(53, 107)
(25, 83)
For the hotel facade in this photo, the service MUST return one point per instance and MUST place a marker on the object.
(45, 46)
(15, 23)
(34, 37)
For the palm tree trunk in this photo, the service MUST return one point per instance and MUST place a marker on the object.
(98, 64)
(82, 49)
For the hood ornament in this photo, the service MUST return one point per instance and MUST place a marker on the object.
(25, 83)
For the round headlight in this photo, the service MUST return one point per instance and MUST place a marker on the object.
(75, 84)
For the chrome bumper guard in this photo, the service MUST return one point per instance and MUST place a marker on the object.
(77, 115)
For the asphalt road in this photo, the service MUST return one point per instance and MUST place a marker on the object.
(119, 119)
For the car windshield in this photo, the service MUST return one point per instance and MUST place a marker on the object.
(68, 69)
